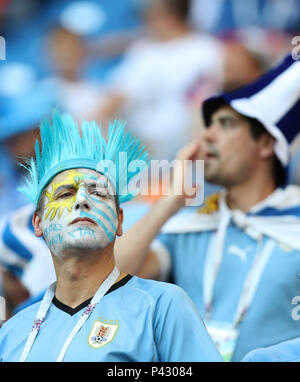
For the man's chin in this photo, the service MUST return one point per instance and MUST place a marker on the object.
(212, 178)
(87, 245)
(79, 248)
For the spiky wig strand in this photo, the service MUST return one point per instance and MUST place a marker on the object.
(64, 146)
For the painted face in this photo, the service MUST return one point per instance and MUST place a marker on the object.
(79, 211)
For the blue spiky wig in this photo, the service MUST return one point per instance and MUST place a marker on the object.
(64, 146)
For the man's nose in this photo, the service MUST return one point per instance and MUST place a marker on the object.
(82, 201)
(209, 134)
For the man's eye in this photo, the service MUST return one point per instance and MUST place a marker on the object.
(65, 195)
(227, 123)
(99, 193)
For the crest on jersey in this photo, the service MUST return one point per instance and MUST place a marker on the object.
(102, 333)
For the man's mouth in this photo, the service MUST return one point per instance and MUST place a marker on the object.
(211, 152)
(210, 155)
(83, 220)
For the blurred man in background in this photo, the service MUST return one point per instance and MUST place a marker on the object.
(237, 257)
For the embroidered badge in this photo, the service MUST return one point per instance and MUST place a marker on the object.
(102, 333)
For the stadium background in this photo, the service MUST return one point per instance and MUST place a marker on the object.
(83, 56)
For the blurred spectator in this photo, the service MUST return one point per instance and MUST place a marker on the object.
(219, 16)
(108, 29)
(161, 76)
(23, 103)
(26, 24)
(264, 27)
(241, 66)
(67, 58)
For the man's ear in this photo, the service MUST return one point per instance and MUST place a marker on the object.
(267, 143)
(120, 223)
(37, 225)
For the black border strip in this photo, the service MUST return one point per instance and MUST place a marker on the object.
(72, 311)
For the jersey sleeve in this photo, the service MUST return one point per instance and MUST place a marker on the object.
(259, 355)
(286, 351)
(180, 333)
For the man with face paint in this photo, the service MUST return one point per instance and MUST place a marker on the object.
(93, 312)
(80, 212)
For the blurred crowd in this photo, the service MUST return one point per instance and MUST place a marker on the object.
(149, 62)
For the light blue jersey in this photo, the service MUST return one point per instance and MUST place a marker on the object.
(137, 320)
(268, 320)
(288, 351)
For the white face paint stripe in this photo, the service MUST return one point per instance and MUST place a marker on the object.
(108, 219)
(108, 233)
(95, 200)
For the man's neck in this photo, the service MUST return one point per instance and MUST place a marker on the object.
(79, 277)
(243, 197)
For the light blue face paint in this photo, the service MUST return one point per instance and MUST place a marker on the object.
(106, 217)
(91, 177)
(99, 182)
(83, 193)
(110, 235)
(52, 228)
(56, 239)
(93, 199)
(100, 202)
(83, 232)
(96, 213)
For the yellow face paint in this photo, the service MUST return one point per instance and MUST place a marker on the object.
(74, 178)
